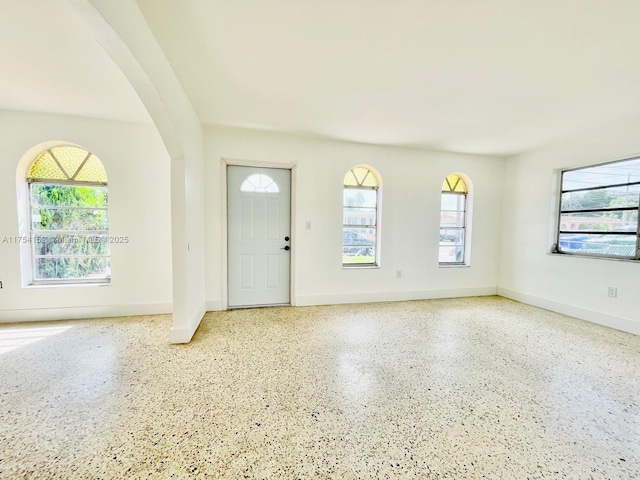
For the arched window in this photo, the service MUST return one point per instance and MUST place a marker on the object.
(259, 183)
(361, 208)
(453, 221)
(68, 217)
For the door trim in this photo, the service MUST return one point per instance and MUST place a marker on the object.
(224, 278)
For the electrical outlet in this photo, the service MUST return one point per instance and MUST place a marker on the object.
(612, 292)
(1, 287)
(398, 273)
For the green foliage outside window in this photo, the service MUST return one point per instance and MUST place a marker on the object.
(70, 226)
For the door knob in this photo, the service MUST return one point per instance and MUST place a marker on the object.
(285, 248)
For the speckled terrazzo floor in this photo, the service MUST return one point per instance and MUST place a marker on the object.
(444, 389)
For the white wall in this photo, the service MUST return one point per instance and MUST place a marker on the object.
(412, 182)
(575, 286)
(119, 26)
(138, 169)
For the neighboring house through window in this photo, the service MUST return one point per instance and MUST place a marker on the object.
(361, 222)
(68, 218)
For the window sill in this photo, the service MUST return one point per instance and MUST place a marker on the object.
(593, 257)
(60, 285)
(453, 265)
(357, 266)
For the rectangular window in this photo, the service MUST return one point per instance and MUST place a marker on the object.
(359, 210)
(69, 233)
(452, 228)
(599, 210)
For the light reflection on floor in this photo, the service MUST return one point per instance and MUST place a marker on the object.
(15, 338)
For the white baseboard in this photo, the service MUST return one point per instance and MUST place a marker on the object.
(601, 318)
(75, 313)
(392, 296)
(185, 334)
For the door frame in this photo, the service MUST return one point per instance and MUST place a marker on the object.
(227, 162)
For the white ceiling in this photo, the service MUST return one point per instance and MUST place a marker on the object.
(481, 76)
(50, 63)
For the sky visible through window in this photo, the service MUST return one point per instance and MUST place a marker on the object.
(601, 175)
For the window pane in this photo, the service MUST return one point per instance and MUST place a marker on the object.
(360, 173)
(70, 158)
(451, 254)
(359, 245)
(453, 201)
(360, 176)
(626, 196)
(610, 221)
(360, 197)
(604, 244)
(259, 183)
(451, 219)
(359, 237)
(358, 255)
(70, 245)
(44, 166)
(359, 216)
(92, 171)
(455, 236)
(43, 194)
(69, 219)
(72, 268)
(370, 180)
(453, 183)
(602, 175)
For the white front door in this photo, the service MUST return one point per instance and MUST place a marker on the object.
(259, 231)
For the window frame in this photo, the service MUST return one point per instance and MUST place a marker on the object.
(378, 193)
(557, 248)
(465, 224)
(30, 240)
